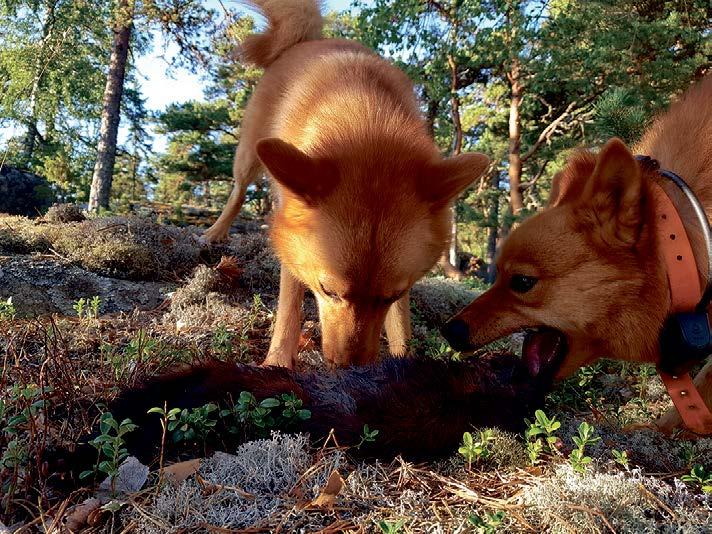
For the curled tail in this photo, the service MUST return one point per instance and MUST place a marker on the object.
(289, 22)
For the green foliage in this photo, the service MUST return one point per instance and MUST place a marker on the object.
(140, 349)
(367, 436)
(21, 406)
(689, 452)
(221, 342)
(260, 416)
(189, 425)
(578, 458)
(487, 523)
(588, 70)
(111, 446)
(389, 527)
(7, 310)
(292, 408)
(87, 308)
(620, 457)
(254, 413)
(611, 65)
(699, 476)
(475, 450)
(19, 409)
(545, 427)
(619, 113)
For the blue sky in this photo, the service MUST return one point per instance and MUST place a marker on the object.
(162, 89)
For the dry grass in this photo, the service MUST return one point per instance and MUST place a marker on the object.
(66, 367)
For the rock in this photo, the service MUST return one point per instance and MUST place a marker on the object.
(65, 213)
(44, 285)
(23, 192)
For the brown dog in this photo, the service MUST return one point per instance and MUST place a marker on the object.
(587, 271)
(363, 195)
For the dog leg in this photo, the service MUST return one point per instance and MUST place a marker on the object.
(398, 327)
(671, 419)
(246, 170)
(285, 340)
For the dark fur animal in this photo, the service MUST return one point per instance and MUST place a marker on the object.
(421, 407)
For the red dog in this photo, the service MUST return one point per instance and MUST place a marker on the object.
(588, 271)
(363, 193)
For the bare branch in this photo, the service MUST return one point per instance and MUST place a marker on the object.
(528, 185)
(547, 133)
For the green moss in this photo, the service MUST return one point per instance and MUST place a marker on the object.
(20, 235)
(132, 248)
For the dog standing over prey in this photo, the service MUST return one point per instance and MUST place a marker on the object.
(363, 194)
(588, 270)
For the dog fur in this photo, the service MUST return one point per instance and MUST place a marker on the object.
(601, 279)
(363, 194)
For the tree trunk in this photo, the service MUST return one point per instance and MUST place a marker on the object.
(516, 201)
(448, 261)
(110, 115)
(491, 253)
(29, 143)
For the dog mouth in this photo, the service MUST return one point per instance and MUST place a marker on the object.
(543, 350)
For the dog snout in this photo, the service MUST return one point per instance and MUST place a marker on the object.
(457, 333)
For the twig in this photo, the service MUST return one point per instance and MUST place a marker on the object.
(592, 511)
(655, 500)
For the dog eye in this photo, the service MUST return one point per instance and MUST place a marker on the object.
(331, 294)
(522, 283)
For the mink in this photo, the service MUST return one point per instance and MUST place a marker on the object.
(421, 407)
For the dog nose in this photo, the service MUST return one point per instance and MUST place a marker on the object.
(457, 333)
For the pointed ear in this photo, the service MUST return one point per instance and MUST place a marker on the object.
(568, 184)
(311, 179)
(557, 189)
(614, 195)
(444, 180)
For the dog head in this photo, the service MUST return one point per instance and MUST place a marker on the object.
(581, 276)
(360, 229)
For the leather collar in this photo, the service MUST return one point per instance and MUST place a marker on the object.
(685, 294)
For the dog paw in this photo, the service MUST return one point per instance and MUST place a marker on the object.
(213, 236)
(275, 359)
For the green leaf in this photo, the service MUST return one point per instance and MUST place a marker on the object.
(269, 403)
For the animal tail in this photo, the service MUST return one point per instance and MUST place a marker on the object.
(289, 22)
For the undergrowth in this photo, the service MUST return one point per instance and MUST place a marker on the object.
(573, 457)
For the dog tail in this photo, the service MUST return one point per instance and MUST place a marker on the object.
(289, 22)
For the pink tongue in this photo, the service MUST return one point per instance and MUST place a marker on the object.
(539, 349)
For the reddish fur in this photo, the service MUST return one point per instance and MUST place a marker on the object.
(289, 23)
(602, 281)
(363, 195)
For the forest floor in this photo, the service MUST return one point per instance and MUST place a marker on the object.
(98, 305)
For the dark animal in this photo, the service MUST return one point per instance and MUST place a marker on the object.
(421, 407)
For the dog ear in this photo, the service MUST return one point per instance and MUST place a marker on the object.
(568, 184)
(310, 179)
(614, 194)
(445, 179)
(556, 191)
